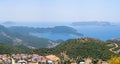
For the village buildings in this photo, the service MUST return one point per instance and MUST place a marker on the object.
(38, 59)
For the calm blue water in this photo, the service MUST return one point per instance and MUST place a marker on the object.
(56, 36)
(100, 32)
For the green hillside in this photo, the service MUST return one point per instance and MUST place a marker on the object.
(75, 49)
(84, 47)
(17, 37)
(9, 49)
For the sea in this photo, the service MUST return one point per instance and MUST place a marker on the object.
(98, 32)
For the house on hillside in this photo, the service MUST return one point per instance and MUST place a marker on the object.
(49, 62)
(82, 63)
(53, 59)
(22, 62)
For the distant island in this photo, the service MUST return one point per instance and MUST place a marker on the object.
(8, 23)
(92, 23)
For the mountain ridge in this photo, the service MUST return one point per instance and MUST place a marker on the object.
(20, 35)
(19, 38)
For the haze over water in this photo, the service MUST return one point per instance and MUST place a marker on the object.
(98, 32)
(50, 13)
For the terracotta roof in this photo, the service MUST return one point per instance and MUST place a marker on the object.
(52, 57)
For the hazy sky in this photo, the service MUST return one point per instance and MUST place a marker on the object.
(59, 10)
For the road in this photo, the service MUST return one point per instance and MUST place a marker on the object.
(112, 49)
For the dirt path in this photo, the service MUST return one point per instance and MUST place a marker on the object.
(116, 46)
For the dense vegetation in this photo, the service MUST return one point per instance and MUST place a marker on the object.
(84, 47)
(9, 49)
(73, 49)
(115, 41)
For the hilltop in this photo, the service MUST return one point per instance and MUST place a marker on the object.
(84, 47)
